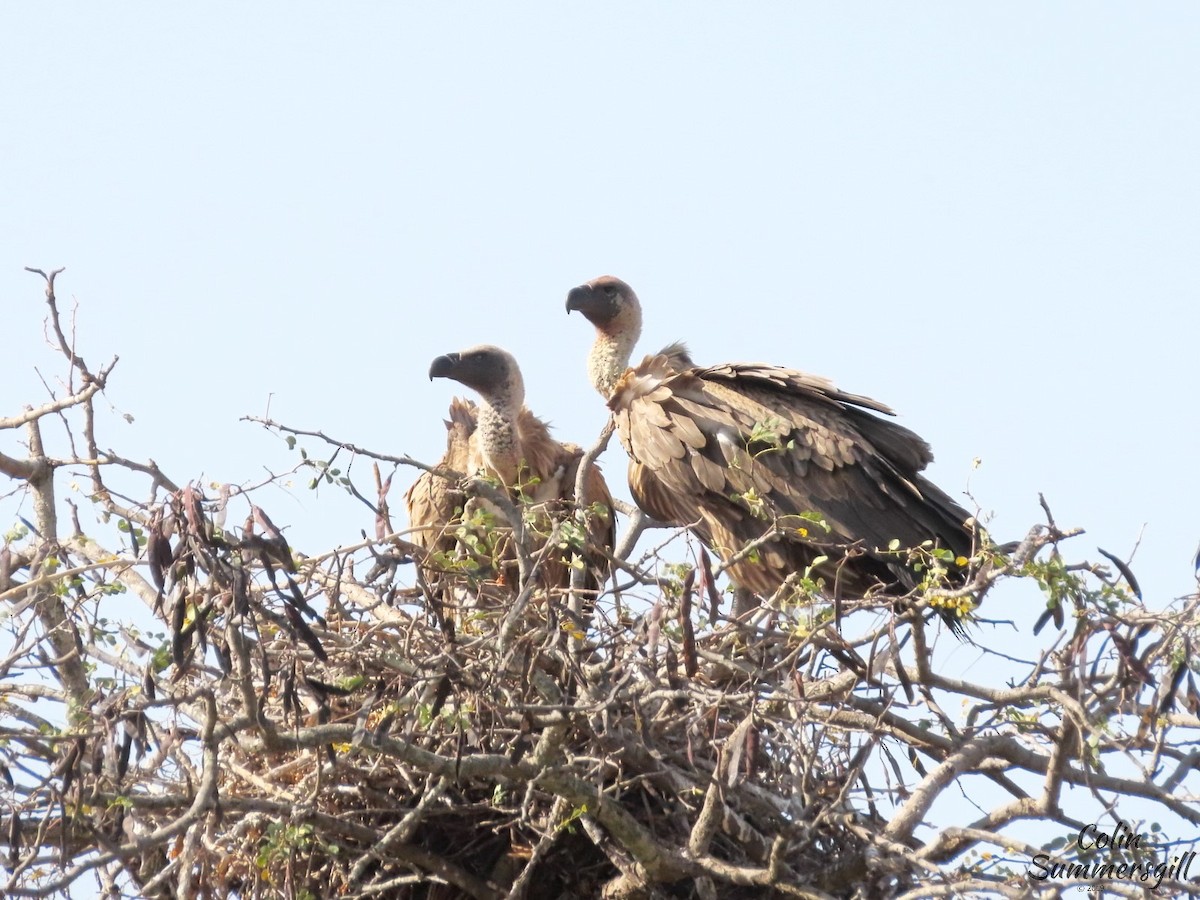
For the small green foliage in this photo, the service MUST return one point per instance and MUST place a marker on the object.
(162, 658)
(809, 615)
(571, 535)
(1070, 587)
(281, 840)
(767, 437)
(1025, 722)
(816, 519)
(327, 473)
(754, 502)
(478, 536)
(452, 716)
(448, 561)
(673, 576)
(600, 511)
(810, 585)
(569, 820)
(352, 683)
(424, 715)
(17, 533)
(526, 482)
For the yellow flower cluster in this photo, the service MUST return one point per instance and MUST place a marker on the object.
(960, 606)
(573, 631)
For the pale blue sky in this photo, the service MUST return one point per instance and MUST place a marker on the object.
(986, 217)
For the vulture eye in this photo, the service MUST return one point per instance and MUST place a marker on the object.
(610, 290)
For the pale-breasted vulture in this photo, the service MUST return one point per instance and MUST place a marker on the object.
(500, 439)
(734, 450)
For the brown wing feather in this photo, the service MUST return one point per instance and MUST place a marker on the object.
(433, 501)
(815, 449)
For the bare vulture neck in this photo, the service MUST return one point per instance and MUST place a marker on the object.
(499, 440)
(612, 351)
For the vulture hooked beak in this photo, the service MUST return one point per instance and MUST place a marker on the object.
(444, 366)
(598, 307)
(485, 368)
(578, 298)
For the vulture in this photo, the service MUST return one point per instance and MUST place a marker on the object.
(502, 440)
(734, 451)
(434, 502)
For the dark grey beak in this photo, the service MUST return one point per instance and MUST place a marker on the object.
(580, 298)
(444, 366)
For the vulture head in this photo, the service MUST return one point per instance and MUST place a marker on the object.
(488, 370)
(495, 376)
(612, 306)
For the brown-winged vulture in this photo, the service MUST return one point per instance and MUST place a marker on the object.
(738, 449)
(502, 440)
